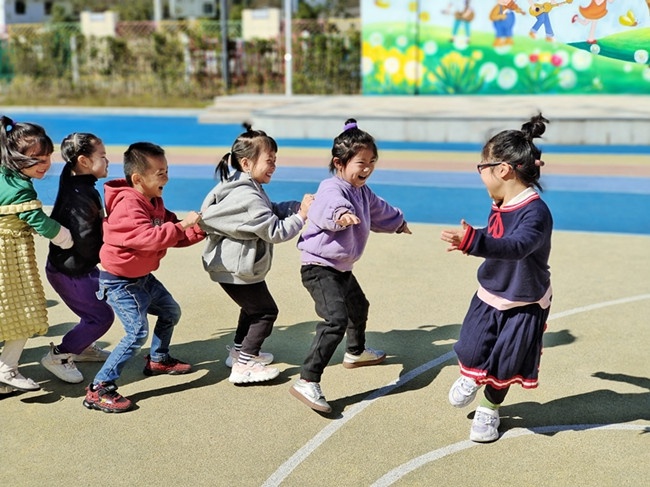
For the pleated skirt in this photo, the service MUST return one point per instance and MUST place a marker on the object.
(502, 348)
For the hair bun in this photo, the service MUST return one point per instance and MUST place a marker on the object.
(350, 125)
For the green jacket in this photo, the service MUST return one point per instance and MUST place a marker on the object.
(15, 189)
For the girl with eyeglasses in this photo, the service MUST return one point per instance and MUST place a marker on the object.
(500, 341)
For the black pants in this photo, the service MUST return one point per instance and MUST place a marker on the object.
(343, 306)
(495, 396)
(257, 315)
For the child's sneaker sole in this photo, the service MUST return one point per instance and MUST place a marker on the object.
(250, 377)
(352, 362)
(171, 366)
(97, 407)
(307, 402)
(107, 399)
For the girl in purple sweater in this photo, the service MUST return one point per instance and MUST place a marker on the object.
(500, 341)
(340, 220)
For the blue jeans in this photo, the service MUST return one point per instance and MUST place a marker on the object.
(132, 300)
(545, 20)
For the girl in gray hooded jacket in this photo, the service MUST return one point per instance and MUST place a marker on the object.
(242, 224)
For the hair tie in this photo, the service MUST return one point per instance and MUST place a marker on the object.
(348, 126)
(539, 162)
(10, 126)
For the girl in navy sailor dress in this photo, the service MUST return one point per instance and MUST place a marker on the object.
(500, 341)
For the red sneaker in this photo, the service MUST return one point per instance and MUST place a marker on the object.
(170, 366)
(105, 398)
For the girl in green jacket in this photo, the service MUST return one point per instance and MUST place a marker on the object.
(25, 153)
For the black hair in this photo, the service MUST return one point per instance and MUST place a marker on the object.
(73, 146)
(136, 158)
(349, 142)
(516, 147)
(248, 145)
(78, 144)
(21, 143)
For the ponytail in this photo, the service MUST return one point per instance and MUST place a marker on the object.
(248, 145)
(222, 170)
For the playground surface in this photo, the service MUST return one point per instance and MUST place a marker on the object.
(587, 424)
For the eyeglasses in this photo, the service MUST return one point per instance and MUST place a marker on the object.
(480, 167)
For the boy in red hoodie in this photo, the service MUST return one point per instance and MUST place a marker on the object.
(138, 230)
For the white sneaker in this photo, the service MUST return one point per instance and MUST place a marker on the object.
(485, 426)
(368, 357)
(310, 394)
(62, 365)
(233, 356)
(93, 353)
(252, 372)
(16, 380)
(462, 392)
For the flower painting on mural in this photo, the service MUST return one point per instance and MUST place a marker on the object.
(448, 47)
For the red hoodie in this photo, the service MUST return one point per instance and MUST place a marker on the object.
(138, 231)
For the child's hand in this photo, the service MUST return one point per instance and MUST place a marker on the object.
(306, 202)
(190, 220)
(348, 219)
(63, 239)
(404, 228)
(454, 237)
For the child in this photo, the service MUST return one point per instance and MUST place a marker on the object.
(73, 272)
(242, 225)
(138, 230)
(344, 212)
(25, 153)
(500, 341)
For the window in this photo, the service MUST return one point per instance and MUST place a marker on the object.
(208, 8)
(48, 8)
(20, 7)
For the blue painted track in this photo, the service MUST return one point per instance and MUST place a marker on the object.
(579, 203)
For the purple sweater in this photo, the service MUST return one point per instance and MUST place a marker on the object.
(323, 242)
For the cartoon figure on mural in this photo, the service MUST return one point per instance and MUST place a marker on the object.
(503, 19)
(508, 46)
(591, 14)
(463, 14)
(541, 11)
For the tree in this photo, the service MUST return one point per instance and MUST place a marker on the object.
(307, 10)
(131, 10)
(337, 8)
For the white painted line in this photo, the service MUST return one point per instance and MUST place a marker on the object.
(397, 473)
(287, 467)
(296, 459)
(594, 306)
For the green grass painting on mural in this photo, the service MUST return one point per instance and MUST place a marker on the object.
(527, 66)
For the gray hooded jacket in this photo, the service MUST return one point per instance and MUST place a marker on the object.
(242, 224)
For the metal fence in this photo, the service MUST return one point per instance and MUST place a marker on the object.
(175, 58)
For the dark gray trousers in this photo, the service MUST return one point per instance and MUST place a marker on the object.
(343, 306)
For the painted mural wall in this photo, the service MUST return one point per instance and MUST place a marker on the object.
(505, 46)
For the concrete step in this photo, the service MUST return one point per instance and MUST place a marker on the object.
(575, 120)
